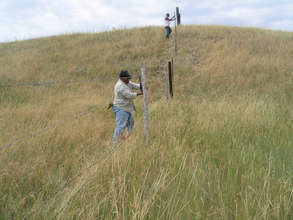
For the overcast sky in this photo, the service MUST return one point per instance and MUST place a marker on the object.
(24, 19)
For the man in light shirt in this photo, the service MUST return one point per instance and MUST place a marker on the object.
(123, 104)
(167, 24)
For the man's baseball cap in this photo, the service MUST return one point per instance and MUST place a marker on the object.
(125, 74)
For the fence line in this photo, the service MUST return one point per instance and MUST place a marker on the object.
(106, 158)
(92, 141)
(63, 186)
(38, 133)
(59, 189)
(48, 83)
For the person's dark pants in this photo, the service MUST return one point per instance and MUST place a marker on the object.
(168, 31)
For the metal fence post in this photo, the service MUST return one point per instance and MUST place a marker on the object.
(178, 16)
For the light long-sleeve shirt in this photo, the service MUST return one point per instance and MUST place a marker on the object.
(123, 95)
(167, 22)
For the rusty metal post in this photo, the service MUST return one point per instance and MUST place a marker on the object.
(178, 16)
(170, 78)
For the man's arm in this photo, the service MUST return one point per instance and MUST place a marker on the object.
(134, 85)
(127, 94)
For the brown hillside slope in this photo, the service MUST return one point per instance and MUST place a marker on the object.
(221, 148)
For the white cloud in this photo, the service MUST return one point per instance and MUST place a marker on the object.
(282, 25)
(258, 13)
(33, 18)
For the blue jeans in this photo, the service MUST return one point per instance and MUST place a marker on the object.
(123, 120)
(168, 31)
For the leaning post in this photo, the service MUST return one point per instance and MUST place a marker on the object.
(145, 105)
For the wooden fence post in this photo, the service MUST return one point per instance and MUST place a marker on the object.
(175, 40)
(166, 86)
(170, 78)
(145, 105)
(172, 68)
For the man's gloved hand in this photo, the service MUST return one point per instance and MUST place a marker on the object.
(110, 105)
(139, 93)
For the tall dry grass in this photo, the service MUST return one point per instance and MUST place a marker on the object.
(221, 148)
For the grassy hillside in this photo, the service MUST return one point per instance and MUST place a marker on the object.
(221, 148)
